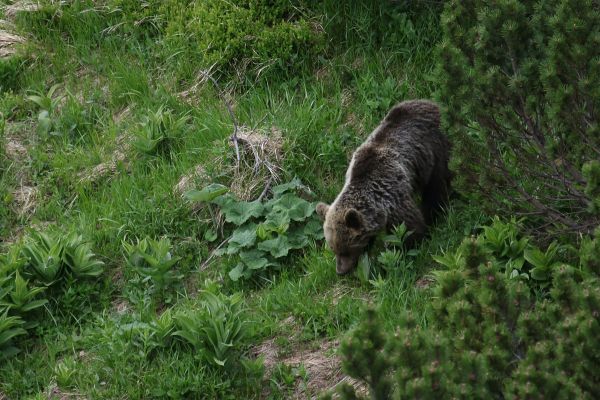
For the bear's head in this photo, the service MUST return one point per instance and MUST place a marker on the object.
(348, 231)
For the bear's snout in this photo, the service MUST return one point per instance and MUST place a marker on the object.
(345, 264)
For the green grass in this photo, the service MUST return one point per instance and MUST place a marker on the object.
(110, 82)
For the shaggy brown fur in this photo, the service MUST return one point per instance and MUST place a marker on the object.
(405, 155)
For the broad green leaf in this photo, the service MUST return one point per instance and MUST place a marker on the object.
(236, 273)
(224, 201)
(281, 189)
(147, 145)
(244, 236)
(298, 208)
(219, 362)
(264, 231)
(314, 229)
(42, 102)
(239, 212)
(535, 257)
(52, 90)
(254, 259)
(451, 259)
(208, 193)
(33, 305)
(540, 273)
(44, 122)
(278, 220)
(297, 238)
(210, 235)
(278, 247)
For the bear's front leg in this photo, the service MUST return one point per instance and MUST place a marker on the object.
(409, 213)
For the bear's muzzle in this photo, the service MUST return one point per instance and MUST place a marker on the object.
(346, 263)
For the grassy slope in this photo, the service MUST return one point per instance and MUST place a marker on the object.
(83, 345)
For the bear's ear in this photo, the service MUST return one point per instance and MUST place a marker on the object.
(353, 218)
(322, 209)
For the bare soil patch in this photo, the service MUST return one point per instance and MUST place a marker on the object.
(9, 42)
(320, 361)
(11, 10)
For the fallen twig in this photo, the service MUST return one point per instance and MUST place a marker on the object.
(266, 189)
(212, 254)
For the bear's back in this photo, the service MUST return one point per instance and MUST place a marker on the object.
(415, 120)
(403, 147)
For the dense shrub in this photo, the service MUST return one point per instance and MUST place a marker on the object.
(246, 37)
(521, 86)
(488, 337)
(384, 24)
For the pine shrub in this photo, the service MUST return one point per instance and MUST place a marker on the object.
(521, 85)
(488, 337)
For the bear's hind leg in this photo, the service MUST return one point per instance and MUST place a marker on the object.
(436, 193)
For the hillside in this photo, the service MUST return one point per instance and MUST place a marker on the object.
(160, 163)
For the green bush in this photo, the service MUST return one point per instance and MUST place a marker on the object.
(386, 24)
(487, 337)
(246, 37)
(520, 82)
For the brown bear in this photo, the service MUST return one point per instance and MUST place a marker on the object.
(403, 160)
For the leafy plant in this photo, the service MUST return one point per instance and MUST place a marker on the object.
(48, 104)
(22, 297)
(206, 195)
(10, 327)
(64, 371)
(283, 379)
(80, 259)
(50, 255)
(390, 252)
(217, 331)
(149, 336)
(47, 259)
(158, 132)
(11, 261)
(44, 252)
(266, 231)
(162, 328)
(514, 253)
(152, 260)
(543, 262)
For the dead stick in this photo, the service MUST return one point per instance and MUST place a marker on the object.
(212, 254)
(265, 190)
